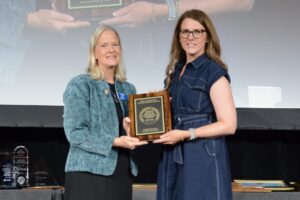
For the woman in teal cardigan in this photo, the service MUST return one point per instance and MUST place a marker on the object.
(99, 165)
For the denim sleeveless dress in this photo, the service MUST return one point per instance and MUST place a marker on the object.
(198, 169)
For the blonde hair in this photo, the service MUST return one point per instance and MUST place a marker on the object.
(93, 68)
(212, 47)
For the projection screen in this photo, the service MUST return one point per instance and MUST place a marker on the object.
(38, 55)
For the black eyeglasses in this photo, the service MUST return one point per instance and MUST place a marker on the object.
(197, 33)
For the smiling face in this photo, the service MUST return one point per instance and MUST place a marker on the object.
(108, 50)
(193, 37)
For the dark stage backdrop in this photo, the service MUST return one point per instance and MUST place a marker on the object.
(254, 154)
(260, 40)
(266, 145)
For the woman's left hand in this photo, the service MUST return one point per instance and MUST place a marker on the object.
(132, 15)
(128, 142)
(171, 137)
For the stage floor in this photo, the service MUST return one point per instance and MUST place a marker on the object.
(138, 194)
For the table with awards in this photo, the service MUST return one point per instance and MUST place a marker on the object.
(31, 194)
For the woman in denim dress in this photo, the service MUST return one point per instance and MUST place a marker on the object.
(194, 163)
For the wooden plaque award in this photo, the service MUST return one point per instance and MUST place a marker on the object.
(89, 10)
(150, 115)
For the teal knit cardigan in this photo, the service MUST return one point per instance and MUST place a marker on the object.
(91, 124)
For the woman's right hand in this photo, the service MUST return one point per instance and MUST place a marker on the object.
(54, 21)
(128, 142)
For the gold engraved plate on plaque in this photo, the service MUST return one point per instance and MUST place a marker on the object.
(150, 115)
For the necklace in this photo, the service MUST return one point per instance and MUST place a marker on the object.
(113, 93)
(114, 96)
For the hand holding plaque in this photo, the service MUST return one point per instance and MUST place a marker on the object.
(150, 115)
(91, 10)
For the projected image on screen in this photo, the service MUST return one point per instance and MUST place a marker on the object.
(44, 43)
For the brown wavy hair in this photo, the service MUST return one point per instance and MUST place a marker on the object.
(212, 47)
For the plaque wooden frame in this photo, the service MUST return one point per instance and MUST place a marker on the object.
(89, 11)
(150, 115)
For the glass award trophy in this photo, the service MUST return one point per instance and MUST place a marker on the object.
(41, 175)
(20, 167)
(5, 167)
